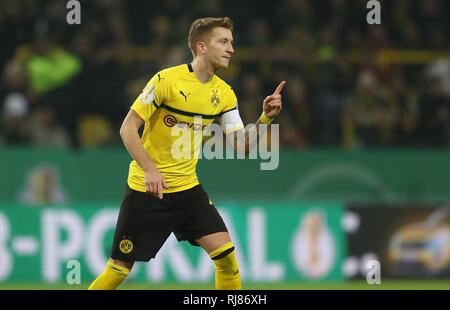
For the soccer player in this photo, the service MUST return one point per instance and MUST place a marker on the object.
(163, 194)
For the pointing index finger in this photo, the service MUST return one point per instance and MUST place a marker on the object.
(279, 88)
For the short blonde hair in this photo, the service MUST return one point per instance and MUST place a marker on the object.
(203, 26)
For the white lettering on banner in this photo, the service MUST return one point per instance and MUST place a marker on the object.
(261, 269)
(205, 268)
(25, 245)
(57, 251)
(65, 237)
(172, 254)
(6, 262)
(101, 223)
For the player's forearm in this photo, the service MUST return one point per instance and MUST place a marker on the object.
(133, 144)
(250, 138)
(256, 134)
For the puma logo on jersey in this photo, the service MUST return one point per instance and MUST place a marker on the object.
(185, 96)
(160, 78)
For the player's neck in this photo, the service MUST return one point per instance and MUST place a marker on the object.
(203, 71)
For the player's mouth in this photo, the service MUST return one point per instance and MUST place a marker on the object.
(226, 57)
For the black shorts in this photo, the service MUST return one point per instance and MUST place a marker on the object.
(145, 222)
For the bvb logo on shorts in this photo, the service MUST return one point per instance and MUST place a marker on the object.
(126, 246)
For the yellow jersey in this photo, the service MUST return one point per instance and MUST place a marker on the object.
(174, 98)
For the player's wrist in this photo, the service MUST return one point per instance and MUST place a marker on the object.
(264, 119)
(150, 169)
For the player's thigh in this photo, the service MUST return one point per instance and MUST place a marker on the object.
(198, 218)
(144, 224)
(213, 241)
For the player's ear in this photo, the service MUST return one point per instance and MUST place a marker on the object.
(201, 48)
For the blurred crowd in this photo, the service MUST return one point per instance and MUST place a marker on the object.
(349, 84)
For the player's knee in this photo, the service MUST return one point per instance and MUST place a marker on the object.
(122, 263)
(225, 260)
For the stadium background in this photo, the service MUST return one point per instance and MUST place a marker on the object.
(364, 137)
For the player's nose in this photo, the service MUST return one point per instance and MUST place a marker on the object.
(230, 49)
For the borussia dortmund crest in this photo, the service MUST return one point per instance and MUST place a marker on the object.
(126, 246)
(215, 100)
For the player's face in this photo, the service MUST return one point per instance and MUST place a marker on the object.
(220, 47)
